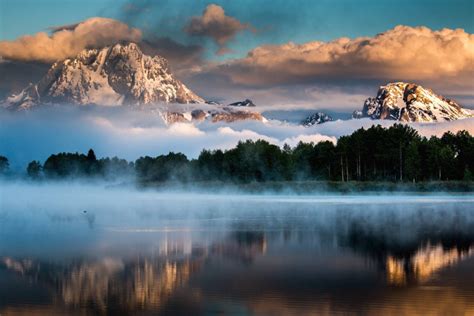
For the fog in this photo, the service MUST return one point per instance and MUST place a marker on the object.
(129, 133)
(75, 210)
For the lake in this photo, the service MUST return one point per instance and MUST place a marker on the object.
(77, 250)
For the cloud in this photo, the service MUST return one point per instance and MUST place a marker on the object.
(16, 75)
(215, 24)
(181, 56)
(42, 49)
(69, 40)
(313, 138)
(65, 27)
(403, 53)
(347, 96)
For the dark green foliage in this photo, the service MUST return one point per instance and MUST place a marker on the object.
(376, 154)
(34, 169)
(162, 168)
(65, 165)
(399, 153)
(256, 161)
(75, 165)
(4, 165)
(114, 167)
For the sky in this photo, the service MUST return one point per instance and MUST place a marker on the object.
(220, 48)
(277, 21)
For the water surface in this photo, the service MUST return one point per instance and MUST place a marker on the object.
(85, 250)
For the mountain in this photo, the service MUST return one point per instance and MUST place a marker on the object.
(117, 75)
(408, 102)
(209, 113)
(316, 118)
(122, 75)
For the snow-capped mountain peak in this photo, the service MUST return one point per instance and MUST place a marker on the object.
(409, 102)
(116, 75)
(316, 118)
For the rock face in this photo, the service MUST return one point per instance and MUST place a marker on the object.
(409, 102)
(229, 115)
(210, 114)
(116, 75)
(316, 118)
(246, 103)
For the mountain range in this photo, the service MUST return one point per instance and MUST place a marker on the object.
(122, 74)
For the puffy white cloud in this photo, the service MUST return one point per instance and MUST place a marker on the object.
(215, 24)
(69, 40)
(312, 138)
(403, 53)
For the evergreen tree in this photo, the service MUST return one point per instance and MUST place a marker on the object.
(4, 164)
(34, 169)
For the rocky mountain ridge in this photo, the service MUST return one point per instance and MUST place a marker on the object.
(409, 102)
(316, 118)
(122, 75)
(117, 75)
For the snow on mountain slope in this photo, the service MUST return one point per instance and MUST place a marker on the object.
(24, 100)
(316, 118)
(409, 102)
(123, 75)
(198, 113)
(116, 75)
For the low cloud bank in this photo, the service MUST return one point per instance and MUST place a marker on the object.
(129, 133)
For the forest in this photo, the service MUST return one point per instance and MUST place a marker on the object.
(394, 154)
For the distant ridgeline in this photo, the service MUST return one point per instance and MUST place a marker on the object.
(397, 153)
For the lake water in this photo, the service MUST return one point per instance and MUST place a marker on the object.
(67, 250)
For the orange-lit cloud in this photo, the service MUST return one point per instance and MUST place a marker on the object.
(68, 41)
(403, 53)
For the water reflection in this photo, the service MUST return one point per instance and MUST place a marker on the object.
(137, 284)
(293, 259)
(423, 264)
(109, 283)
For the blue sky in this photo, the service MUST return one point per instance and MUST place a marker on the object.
(276, 21)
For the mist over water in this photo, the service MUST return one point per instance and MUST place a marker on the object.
(79, 249)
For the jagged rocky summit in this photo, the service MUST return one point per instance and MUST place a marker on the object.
(214, 115)
(408, 102)
(115, 75)
(316, 118)
(122, 75)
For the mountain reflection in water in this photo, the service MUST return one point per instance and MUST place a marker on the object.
(423, 264)
(252, 257)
